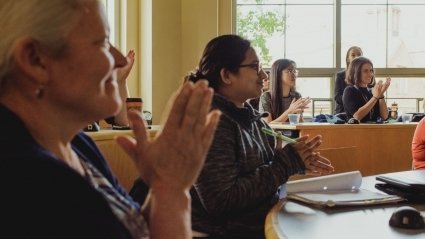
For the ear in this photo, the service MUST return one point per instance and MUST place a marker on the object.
(225, 76)
(30, 60)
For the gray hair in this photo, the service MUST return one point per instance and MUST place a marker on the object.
(46, 21)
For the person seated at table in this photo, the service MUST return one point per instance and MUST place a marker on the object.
(340, 83)
(418, 146)
(282, 99)
(360, 101)
(266, 85)
(244, 168)
(57, 74)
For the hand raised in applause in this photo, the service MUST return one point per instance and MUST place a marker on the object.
(297, 106)
(381, 87)
(123, 72)
(174, 158)
(315, 163)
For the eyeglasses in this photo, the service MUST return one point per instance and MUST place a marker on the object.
(293, 71)
(256, 66)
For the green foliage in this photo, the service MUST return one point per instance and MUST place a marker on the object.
(258, 25)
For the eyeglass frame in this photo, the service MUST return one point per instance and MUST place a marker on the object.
(256, 66)
(293, 71)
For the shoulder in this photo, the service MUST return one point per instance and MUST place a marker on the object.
(350, 88)
(340, 76)
(341, 73)
(86, 147)
(266, 95)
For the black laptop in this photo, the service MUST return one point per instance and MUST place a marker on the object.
(407, 184)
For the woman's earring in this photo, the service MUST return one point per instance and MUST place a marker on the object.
(39, 93)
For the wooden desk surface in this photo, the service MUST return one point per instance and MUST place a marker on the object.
(370, 148)
(121, 164)
(292, 220)
(323, 126)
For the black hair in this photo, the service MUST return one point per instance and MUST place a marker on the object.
(226, 51)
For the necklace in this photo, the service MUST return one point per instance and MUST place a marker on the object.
(366, 99)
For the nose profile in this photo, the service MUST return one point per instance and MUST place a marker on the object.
(263, 75)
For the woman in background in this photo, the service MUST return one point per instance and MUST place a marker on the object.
(282, 99)
(340, 83)
(245, 167)
(361, 102)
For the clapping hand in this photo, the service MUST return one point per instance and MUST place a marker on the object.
(297, 106)
(381, 87)
(174, 158)
(315, 163)
(124, 71)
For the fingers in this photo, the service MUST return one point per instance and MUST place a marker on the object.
(138, 126)
(300, 104)
(306, 146)
(132, 145)
(124, 71)
(128, 144)
(197, 107)
(208, 134)
(319, 165)
(176, 106)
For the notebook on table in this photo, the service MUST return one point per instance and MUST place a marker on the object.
(407, 184)
(335, 190)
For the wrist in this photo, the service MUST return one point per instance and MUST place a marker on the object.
(374, 97)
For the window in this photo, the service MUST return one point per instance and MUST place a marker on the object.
(110, 14)
(317, 33)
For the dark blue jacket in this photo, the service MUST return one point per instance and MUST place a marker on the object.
(41, 197)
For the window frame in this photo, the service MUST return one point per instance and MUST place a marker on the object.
(331, 71)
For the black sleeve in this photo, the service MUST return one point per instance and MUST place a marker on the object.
(340, 85)
(352, 101)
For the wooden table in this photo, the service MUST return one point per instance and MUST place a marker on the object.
(370, 148)
(121, 164)
(292, 220)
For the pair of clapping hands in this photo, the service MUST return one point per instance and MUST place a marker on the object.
(381, 87)
(307, 149)
(174, 158)
(298, 106)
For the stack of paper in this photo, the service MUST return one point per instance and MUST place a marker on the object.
(336, 190)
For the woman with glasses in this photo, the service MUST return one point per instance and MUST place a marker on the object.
(282, 99)
(244, 168)
(360, 101)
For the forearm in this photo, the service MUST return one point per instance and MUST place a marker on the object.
(383, 109)
(170, 214)
(284, 116)
(121, 116)
(365, 109)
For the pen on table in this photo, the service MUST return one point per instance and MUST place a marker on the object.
(278, 135)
